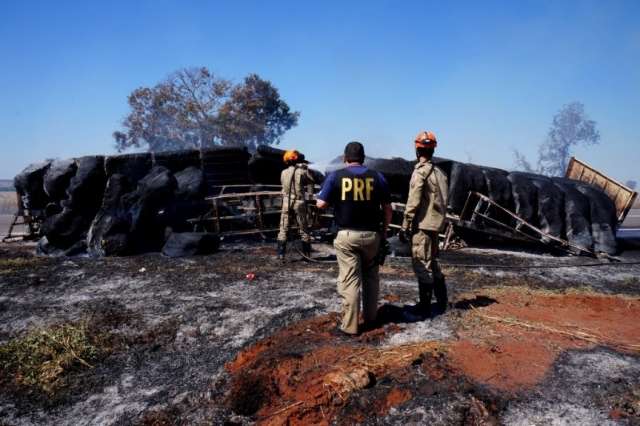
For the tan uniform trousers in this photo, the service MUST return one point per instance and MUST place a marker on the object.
(424, 255)
(358, 273)
(298, 213)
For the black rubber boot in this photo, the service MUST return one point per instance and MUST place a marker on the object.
(282, 249)
(440, 291)
(424, 291)
(421, 310)
(306, 249)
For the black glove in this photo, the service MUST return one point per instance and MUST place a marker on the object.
(383, 251)
(404, 236)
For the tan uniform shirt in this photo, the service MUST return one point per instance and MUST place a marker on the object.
(294, 180)
(427, 203)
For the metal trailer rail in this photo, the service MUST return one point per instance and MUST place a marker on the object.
(257, 210)
(479, 213)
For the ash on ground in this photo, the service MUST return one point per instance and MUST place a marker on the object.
(194, 341)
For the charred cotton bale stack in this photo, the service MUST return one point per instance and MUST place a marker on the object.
(29, 184)
(133, 166)
(176, 161)
(83, 197)
(224, 166)
(132, 221)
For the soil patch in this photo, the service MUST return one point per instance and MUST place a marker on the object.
(511, 344)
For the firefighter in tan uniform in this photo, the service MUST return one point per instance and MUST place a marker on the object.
(424, 218)
(295, 180)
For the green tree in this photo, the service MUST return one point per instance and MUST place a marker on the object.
(193, 108)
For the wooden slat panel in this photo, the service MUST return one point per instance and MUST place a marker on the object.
(622, 196)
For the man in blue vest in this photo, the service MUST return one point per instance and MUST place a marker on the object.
(362, 209)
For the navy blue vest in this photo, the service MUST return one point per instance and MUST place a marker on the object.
(357, 200)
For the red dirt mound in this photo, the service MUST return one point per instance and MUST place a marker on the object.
(304, 375)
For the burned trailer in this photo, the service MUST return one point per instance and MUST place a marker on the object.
(128, 204)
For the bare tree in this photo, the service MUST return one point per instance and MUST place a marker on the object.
(570, 127)
(522, 162)
(193, 109)
(631, 184)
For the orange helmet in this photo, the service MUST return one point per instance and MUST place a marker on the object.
(426, 139)
(291, 156)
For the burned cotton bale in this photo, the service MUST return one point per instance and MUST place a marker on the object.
(190, 244)
(189, 199)
(155, 192)
(397, 172)
(499, 190)
(29, 184)
(599, 213)
(65, 228)
(57, 178)
(108, 233)
(133, 166)
(266, 165)
(603, 219)
(225, 166)
(464, 179)
(177, 160)
(525, 197)
(577, 214)
(551, 215)
(84, 193)
(85, 190)
(190, 184)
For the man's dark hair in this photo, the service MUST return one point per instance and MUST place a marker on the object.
(354, 152)
(424, 152)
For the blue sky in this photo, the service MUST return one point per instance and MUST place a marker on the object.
(487, 76)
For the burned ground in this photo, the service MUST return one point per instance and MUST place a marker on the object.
(193, 341)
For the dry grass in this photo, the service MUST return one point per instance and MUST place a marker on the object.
(41, 358)
(12, 265)
(8, 203)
